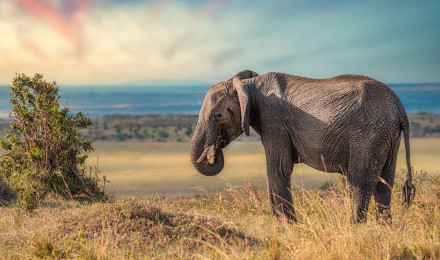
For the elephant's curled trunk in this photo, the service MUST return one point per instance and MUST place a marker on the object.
(198, 152)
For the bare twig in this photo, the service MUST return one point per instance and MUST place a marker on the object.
(67, 186)
(85, 185)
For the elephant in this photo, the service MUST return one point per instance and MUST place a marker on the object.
(347, 124)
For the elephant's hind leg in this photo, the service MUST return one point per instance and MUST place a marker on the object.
(361, 199)
(363, 170)
(383, 189)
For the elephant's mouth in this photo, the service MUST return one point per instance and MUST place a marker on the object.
(220, 143)
(222, 139)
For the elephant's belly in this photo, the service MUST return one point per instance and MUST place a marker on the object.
(324, 160)
(322, 165)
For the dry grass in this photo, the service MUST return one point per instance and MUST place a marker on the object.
(233, 223)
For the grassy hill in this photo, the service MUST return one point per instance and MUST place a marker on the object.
(232, 224)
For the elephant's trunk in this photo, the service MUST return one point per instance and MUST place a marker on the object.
(199, 148)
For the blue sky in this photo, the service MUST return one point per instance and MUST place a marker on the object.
(109, 42)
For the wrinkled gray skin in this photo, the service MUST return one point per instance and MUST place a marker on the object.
(348, 124)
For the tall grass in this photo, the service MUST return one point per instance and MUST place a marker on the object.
(232, 224)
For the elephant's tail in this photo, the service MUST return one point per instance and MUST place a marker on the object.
(409, 190)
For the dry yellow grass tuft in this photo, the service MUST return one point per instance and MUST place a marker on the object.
(234, 223)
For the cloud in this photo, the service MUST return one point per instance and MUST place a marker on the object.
(90, 43)
(197, 18)
(66, 23)
(105, 42)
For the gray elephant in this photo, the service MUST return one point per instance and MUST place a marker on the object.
(348, 124)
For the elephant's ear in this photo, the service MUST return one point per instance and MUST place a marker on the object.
(243, 98)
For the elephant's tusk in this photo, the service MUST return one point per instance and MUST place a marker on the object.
(205, 152)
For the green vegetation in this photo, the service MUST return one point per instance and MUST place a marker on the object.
(233, 223)
(172, 128)
(146, 128)
(44, 152)
(149, 128)
(179, 128)
(425, 125)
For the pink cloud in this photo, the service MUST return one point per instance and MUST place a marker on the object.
(67, 25)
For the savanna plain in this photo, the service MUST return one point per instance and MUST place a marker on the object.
(161, 208)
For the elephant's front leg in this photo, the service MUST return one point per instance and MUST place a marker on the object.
(279, 169)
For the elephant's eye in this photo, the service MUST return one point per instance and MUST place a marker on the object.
(217, 115)
(230, 112)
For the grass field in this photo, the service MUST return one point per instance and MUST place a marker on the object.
(231, 224)
(141, 169)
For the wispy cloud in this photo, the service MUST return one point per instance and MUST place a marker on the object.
(97, 41)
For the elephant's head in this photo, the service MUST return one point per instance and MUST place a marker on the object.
(223, 117)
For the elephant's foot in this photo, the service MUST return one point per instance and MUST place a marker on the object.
(383, 215)
(284, 211)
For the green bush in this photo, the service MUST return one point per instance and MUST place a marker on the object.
(163, 134)
(44, 151)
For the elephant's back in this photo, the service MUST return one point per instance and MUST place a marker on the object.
(350, 109)
(326, 100)
(324, 103)
(332, 98)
